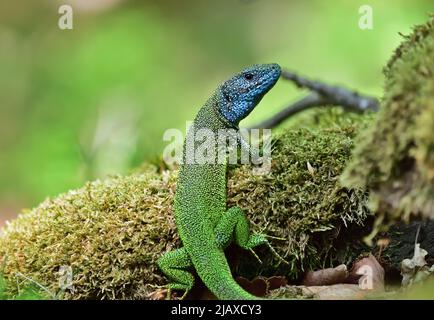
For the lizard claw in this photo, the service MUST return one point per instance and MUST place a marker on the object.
(273, 237)
(255, 255)
(278, 256)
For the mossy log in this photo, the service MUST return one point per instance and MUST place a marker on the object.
(394, 158)
(112, 232)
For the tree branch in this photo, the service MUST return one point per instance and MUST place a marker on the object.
(321, 94)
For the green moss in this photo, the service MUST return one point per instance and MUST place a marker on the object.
(112, 232)
(420, 291)
(25, 290)
(305, 207)
(394, 158)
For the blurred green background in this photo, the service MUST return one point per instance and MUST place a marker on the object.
(80, 104)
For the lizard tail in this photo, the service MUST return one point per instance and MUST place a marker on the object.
(213, 268)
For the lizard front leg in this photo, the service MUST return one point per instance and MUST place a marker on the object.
(174, 265)
(234, 225)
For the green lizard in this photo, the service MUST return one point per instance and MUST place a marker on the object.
(204, 224)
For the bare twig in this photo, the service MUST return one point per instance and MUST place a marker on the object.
(310, 101)
(321, 94)
(19, 274)
(417, 235)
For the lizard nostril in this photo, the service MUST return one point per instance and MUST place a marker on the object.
(227, 97)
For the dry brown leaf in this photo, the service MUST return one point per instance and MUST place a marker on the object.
(258, 286)
(159, 294)
(276, 282)
(327, 276)
(415, 269)
(335, 292)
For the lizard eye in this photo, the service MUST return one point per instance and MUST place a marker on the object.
(248, 76)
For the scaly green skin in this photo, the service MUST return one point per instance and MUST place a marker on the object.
(205, 226)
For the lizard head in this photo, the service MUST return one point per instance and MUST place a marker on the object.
(238, 96)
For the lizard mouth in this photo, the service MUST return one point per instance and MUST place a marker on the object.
(268, 80)
(252, 88)
(263, 85)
